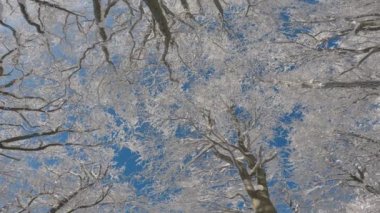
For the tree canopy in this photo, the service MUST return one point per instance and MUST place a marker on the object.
(189, 106)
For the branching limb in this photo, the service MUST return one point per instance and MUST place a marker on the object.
(24, 12)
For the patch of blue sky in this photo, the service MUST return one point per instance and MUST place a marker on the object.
(283, 207)
(6, 32)
(311, 1)
(331, 43)
(33, 82)
(187, 159)
(288, 29)
(58, 51)
(61, 137)
(212, 25)
(190, 78)
(142, 185)
(281, 142)
(52, 161)
(124, 157)
(186, 131)
(285, 16)
(58, 30)
(118, 120)
(69, 91)
(17, 22)
(70, 150)
(152, 59)
(207, 73)
(71, 119)
(129, 160)
(187, 85)
(9, 74)
(233, 137)
(117, 59)
(33, 162)
(82, 74)
(109, 21)
(296, 114)
(240, 205)
(13, 189)
(230, 206)
(292, 32)
(272, 182)
(281, 135)
(236, 34)
(242, 114)
(286, 165)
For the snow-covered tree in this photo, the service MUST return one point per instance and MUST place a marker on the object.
(299, 68)
(241, 105)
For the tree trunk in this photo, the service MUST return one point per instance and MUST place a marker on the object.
(260, 199)
(261, 202)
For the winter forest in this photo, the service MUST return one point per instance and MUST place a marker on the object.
(186, 106)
